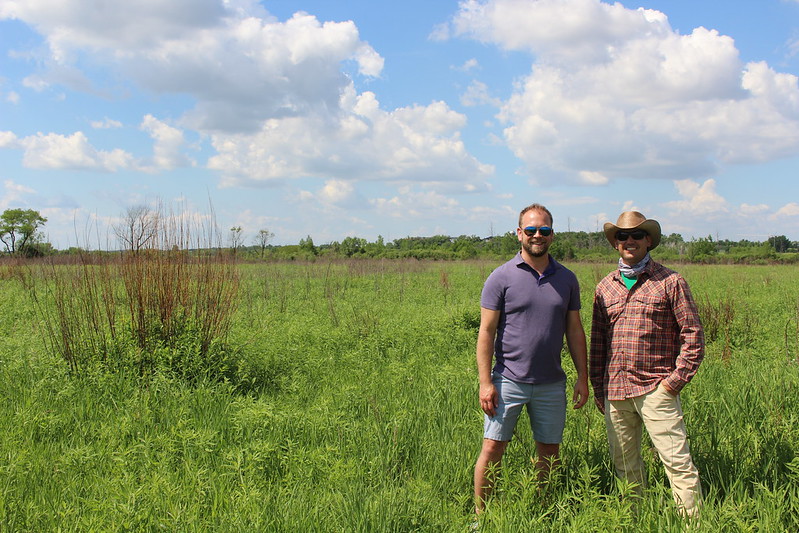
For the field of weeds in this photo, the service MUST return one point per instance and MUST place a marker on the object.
(343, 397)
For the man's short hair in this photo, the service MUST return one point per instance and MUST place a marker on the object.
(536, 207)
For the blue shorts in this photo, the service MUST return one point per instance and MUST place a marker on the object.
(546, 407)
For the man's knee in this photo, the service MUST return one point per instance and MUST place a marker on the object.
(547, 450)
(493, 449)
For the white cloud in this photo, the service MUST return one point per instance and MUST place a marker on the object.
(168, 142)
(16, 188)
(335, 195)
(788, 210)
(477, 93)
(240, 65)
(747, 210)
(14, 194)
(12, 97)
(419, 205)
(337, 192)
(629, 205)
(468, 65)
(105, 124)
(8, 139)
(271, 96)
(616, 92)
(698, 199)
(54, 151)
(703, 211)
(417, 143)
(36, 83)
(590, 177)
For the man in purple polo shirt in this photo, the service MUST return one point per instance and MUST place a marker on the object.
(527, 306)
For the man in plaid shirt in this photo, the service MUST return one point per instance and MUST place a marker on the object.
(646, 345)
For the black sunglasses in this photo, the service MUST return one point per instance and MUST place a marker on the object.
(545, 231)
(636, 234)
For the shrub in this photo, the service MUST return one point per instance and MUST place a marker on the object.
(162, 308)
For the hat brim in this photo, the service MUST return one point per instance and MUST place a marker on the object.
(652, 227)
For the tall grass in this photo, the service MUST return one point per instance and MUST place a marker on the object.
(163, 306)
(365, 418)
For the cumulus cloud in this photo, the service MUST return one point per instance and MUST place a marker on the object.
(55, 151)
(416, 204)
(240, 65)
(702, 206)
(14, 194)
(698, 199)
(8, 139)
(271, 96)
(168, 142)
(789, 210)
(748, 210)
(616, 92)
(335, 194)
(364, 142)
(477, 93)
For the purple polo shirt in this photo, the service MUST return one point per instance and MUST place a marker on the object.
(532, 321)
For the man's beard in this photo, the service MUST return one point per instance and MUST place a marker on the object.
(542, 250)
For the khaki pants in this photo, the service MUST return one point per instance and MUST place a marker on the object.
(662, 415)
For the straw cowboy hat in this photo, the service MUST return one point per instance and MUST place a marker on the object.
(632, 220)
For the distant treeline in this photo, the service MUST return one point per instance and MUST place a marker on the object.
(568, 246)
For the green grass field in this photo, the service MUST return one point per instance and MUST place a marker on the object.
(354, 408)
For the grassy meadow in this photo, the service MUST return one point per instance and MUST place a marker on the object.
(346, 400)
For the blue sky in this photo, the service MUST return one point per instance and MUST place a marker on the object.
(366, 118)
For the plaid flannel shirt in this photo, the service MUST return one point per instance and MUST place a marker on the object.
(645, 335)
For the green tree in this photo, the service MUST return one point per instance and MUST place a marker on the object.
(262, 239)
(19, 229)
(701, 250)
(307, 245)
(674, 242)
(352, 245)
(377, 248)
(780, 243)
(510, 243)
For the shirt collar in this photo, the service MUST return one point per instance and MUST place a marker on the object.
(552, 267)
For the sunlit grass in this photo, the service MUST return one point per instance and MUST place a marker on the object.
(355, 410)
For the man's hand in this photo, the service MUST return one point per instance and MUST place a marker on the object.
(488, 399)
(600, 404)
(580, 396)
(668, 389)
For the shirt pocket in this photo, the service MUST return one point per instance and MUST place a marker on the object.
(655, 307)
(614, 307)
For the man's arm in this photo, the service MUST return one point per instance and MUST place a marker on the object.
(692, 338)
(575, 340)
(489, 321)
(599, 352)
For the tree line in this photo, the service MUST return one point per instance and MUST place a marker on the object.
(568, 246)
(20, 234)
